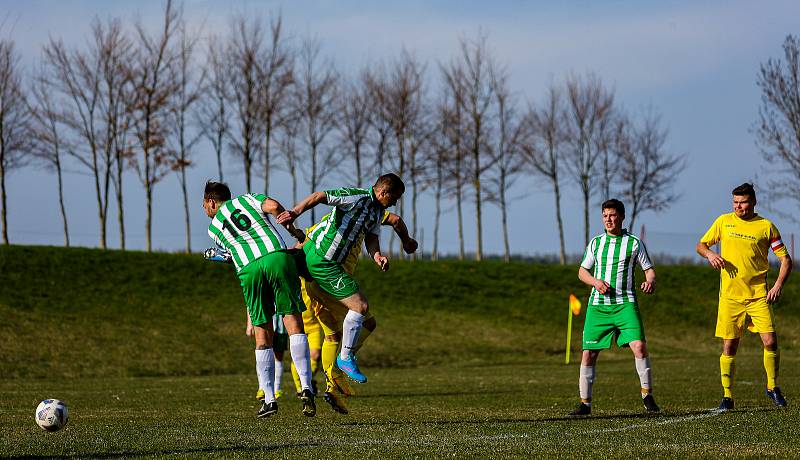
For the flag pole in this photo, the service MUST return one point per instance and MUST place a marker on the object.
(569, 332)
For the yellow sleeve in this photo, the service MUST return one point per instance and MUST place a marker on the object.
(385, 216)
(775, 241)
(714, 234)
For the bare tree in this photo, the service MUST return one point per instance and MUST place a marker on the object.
(188, 82)
(589, 105)
(153, 86)
(212, 111)
(452, 115)
(647, 172)
(375, 80)
(476, 71)
(316, 95)
(14, 122)
(543, 150)
(506, 155)
(48, 144)
(275, 72)
(778, 129)
(286, 135)
(243, 54)
(354, 128)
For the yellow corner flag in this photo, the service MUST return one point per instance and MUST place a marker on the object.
(574, 309)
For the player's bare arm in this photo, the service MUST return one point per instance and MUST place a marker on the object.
(274, 208)
(373, 244)
(786, 269)
(288, 216)
(410, 245)
(587, 278)
(649, 284)
(713, 258)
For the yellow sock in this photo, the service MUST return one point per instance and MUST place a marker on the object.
(771, 364)
(314, 367)
(296, 378)
(727, 367)
(329, 351)
(362, 336)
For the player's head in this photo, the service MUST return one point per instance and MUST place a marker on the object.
(744, 200)
(613, 215)
(388, 189)
(214, 195)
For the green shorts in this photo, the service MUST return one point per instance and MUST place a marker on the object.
(270, 285)
(606, 322)
(329, 275)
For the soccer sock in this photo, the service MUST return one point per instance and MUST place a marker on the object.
(727, 367)
(278, 375)
(329, 351)
(585, 384)
(772, 360)
(362, 336)
(265, 370)
(645, 375)
(350, 331)
(298, 344)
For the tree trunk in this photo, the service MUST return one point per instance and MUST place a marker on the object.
(186, 211)
(358, 165)
(414, 207)
(313, 179)
(585, 216)
(557, 193)
(3, 202)
(267, 136)
(149, 219)
(478, 223)
(435, 253)
(61, 200)
(120, 208)
(219, 156)
(504, 218)
(100, 213)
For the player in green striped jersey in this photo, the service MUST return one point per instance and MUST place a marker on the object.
(269, 280)
(612, 312)
(357, 212)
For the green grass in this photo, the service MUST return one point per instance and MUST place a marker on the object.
(148, 350)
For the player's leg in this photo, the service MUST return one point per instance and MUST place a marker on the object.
(280, 343)
(761, 314)
(358, 307)
(628, 321)
(598, 332)
(731, 316)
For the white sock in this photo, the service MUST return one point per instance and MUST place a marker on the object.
(585, 383)
(265, 370)
(278, 374)
(350, 329)
(301, 356)
(645, 375)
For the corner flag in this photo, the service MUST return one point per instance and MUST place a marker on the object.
(574, 309)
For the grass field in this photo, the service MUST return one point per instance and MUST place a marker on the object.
(467, 362)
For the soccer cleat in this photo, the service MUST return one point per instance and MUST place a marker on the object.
(260, 394)
(650, 404)
(777, 397)
(725, 405)
(581, 409)
(267, 409)
(309, 407)
(336, 400)
(350, 367)
(278, 394)
(314, 387)
(341, 385)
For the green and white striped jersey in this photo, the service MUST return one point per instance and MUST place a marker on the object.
(614, 259)
(242, 228)
(356, 212)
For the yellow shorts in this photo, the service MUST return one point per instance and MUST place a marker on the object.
(330, 312)
(732, 317)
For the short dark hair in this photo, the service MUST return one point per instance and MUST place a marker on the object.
(745, 189)
(392, 183)
(217, 191)
(616, 205)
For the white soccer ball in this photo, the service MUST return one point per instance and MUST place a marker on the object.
(52, 415)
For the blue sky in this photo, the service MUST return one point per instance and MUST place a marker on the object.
(695, 62)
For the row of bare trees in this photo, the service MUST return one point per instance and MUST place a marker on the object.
(140, 102)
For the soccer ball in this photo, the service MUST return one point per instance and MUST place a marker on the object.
(52, 415)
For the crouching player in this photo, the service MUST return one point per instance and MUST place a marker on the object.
(612, 311)
(269, 280)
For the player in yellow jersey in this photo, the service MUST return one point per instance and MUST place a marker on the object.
(330, 313)
(746, 239)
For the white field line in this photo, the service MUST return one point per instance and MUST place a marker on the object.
(687, 418)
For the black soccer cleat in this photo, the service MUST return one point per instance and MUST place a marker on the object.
(336, 402)
(267, 409)
(725, 405)
(650, 404)
(777, 397)
(309, 407)
(581, 409)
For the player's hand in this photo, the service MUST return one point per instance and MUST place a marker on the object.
(648, 287)
(410, 246)
(601, 286)
(286, 217)
(382, 261)
(774, 294)
(716, 261)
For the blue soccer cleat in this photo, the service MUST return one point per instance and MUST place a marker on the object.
(350, 367)
(777, 397)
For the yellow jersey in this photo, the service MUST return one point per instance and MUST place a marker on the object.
(351, 261)
(745, 246)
